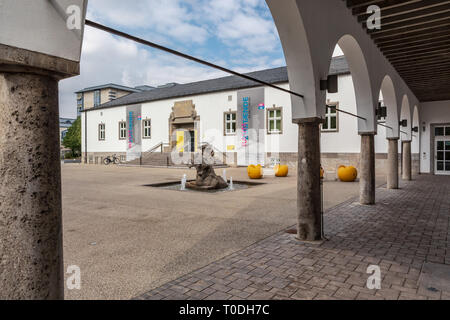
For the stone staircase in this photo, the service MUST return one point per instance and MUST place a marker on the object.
(154, 159)
(159, 156)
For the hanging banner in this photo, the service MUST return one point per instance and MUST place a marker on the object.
(250, 144)
(134, 132)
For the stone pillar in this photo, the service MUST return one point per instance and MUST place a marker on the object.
(309, 223)
(367, 168)
(406, 161)
(31, 261)
(392, 175)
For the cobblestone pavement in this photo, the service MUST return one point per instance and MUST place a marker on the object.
(405, 229)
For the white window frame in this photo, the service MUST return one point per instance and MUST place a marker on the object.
(328, 116)
(101, 132)
(97, 98)
(122, 130)
(231, 121)
(147, 125)
(275, 118)
(444, 138)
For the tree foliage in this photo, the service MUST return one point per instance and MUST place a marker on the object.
(72, 140)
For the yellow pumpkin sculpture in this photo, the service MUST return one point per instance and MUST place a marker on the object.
(281, 171)
(347, 174)
(255, 172)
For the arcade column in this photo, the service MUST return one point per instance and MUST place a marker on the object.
(367, 167)
(309, 222)
(392, 175)
(406, 161)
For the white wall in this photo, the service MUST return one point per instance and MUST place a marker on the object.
(431, 113)
(288, 141)
(40, 26)
(346, 140)
(111, 118)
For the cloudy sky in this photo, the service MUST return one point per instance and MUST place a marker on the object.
(237, 34)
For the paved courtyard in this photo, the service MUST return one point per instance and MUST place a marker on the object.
(128, 238)
(406, 234)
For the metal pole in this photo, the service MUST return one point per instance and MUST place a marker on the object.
(85, 138)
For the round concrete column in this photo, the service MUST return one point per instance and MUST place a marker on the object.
(406, 161)
(367, 168)
(392, 175)
(309, 223)
(31, 264)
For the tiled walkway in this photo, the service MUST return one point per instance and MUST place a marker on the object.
(406, 228)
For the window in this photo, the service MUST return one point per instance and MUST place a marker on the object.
(97, 98)
(112, 95)
(122, 130)
(80, 102)
(101, 132)
(147, 128)
(275, 121)
(229, 123)
(64, 134)
(230, 98)
(331, 119)
(439, 131)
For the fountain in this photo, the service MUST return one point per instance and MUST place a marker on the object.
(224, 174)
(183, 182)
(206, 181)
(206, 176)
(230, 185)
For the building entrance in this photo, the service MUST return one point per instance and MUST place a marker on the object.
(442, 150)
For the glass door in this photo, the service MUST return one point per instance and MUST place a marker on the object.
(442, 162)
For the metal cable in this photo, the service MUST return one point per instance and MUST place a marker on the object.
(349, 113)
(185, 56)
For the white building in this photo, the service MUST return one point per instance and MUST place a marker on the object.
(144, 127)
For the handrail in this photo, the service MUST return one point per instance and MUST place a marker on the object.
(159, 145)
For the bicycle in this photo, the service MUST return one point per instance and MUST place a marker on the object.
(111, 159)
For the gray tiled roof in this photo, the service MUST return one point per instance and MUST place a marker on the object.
(278, 75)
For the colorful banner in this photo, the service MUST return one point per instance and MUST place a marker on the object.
(134, 132)
(250, 144)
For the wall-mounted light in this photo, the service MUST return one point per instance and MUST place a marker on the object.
(415, 129)
(331, 84)
(381, 111)
(404, 123)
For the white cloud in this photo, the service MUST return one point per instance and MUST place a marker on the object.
(239, 34)
(168, 17)
(107, 59)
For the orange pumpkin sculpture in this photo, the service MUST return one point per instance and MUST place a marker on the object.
(347, 174)
(281, 170)
(255, 172)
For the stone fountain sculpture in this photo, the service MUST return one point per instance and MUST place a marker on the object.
(206, 176)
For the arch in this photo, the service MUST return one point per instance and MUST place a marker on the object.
(387, 90)
(297, 52)
(361, 82)
(405, 114)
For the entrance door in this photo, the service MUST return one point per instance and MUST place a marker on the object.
(191, 141)
(442, 148)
